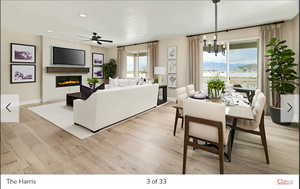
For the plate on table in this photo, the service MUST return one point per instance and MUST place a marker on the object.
(199, 96)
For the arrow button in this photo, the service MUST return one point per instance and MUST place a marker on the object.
(290, 107)
(8, 106)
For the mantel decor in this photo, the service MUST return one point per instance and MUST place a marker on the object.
(67, 69)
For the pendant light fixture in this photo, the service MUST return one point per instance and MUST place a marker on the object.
(217, 47)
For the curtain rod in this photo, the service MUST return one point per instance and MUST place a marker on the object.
(227, 30)
(137, 44)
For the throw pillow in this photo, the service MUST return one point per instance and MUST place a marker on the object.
(100, 87)
(86, 91)
(114, 82)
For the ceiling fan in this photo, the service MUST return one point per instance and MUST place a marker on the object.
(97, 38)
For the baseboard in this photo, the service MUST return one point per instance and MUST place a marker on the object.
(34, 101)
(171, 99)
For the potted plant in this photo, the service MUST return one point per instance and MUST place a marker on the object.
(92, 82)
(215, 88)
(156, 80)
(109, 69)
(282, 74)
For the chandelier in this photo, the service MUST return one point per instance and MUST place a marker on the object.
(216, 47)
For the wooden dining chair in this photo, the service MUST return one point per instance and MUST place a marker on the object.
(180, 96)
(190, 90)
(205, 121)
(256, 126)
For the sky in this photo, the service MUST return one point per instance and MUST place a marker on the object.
(236, 56)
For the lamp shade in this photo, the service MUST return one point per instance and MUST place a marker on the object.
(159, 70)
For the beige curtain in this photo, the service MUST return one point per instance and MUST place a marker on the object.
(121, 62)
(152, 58)
(267, 33)
(195, 49)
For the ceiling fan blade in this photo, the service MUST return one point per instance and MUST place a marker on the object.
(99, 42)
(108, 41)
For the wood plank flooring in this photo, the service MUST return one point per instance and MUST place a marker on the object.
(143, 145)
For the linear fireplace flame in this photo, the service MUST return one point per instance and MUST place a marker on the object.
(66, 81)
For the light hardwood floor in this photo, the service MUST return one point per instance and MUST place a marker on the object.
(143, 145)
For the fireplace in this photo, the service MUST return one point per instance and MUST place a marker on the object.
(66, 81)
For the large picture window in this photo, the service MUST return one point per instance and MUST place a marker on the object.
(238, 66)
(137, 65)
(130, 66)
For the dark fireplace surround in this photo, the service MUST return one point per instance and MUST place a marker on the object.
(67, 81)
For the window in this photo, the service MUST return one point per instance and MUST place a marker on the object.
(142, 65)
(213, 66)
(137, 64)
(243, 64)
(130, 66)
(238, 66)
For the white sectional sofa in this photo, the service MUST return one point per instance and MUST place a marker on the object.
(106, 107)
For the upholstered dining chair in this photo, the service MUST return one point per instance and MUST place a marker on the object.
(256, 126)
(180, 96)
(257, 91)
(190, 89)
(205, 121)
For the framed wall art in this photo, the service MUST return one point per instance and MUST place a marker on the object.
(172, 66)
(98, 59)
(172, 53)
(172, 80)
(22, 53)
(22, 73)
(98, 72)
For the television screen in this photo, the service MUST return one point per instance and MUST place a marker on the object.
(66, 56)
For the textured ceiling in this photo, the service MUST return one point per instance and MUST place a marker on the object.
(128, 22)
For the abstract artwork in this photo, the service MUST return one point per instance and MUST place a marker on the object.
(172, 51)
(22, 73)
(21, 53)
(98, 59)
(172, 81)
(98, 72)
(171, 66)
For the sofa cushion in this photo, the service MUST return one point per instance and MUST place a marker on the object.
(86, 91)
(123, 82)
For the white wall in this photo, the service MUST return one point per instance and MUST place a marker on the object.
(28, 92)
(49, 90)
(44, 87)
(291, 34)
(182, 60)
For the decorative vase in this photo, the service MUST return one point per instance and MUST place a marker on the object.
(214, 93)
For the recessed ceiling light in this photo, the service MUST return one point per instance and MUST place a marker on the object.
(82, 15)
(49, 31)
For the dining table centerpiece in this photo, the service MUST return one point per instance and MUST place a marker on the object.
(215, 88)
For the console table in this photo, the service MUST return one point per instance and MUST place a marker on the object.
(162, 94)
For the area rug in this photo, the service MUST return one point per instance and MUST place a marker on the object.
(62, 116)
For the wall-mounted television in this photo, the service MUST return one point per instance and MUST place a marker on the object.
(65, 56)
